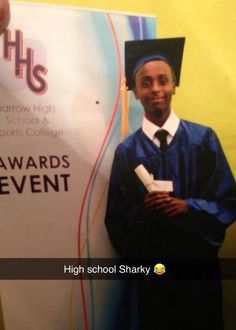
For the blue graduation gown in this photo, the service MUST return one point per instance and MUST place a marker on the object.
(196, 164)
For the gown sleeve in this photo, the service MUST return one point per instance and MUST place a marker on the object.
(218, 198)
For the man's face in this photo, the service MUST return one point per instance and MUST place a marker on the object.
(154, 87)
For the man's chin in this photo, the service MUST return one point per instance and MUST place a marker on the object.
(158, 115)
(158, 112)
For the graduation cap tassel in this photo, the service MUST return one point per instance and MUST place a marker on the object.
(125, 110)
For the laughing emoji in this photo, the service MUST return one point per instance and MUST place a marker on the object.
(159, 269)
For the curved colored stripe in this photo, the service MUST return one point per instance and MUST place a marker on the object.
(105, 138)
(86, 241)
(125, 37)
(94, 218)
(90, 223)
(94, 168)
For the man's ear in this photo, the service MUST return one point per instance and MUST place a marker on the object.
(136, 93)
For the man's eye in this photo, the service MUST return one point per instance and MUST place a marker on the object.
(146, 83)
(163, 81)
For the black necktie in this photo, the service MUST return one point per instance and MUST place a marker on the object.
(162, 137)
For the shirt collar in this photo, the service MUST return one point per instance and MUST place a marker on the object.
(171, 126)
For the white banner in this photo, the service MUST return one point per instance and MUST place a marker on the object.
(61, 71)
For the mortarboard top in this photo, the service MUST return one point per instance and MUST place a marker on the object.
(139, 52)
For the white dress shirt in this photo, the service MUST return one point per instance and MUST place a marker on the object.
(171, 126)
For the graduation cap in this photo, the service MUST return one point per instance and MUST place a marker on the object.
(139, 52)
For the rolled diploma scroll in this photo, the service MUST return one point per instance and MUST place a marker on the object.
(150, 183)
(145, 177)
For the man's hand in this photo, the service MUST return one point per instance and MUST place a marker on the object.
(161, 201)
(156, 200)
(175, 207)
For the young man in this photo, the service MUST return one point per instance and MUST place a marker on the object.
(188, 222)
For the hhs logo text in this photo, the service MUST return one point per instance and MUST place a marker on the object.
(34, 73)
